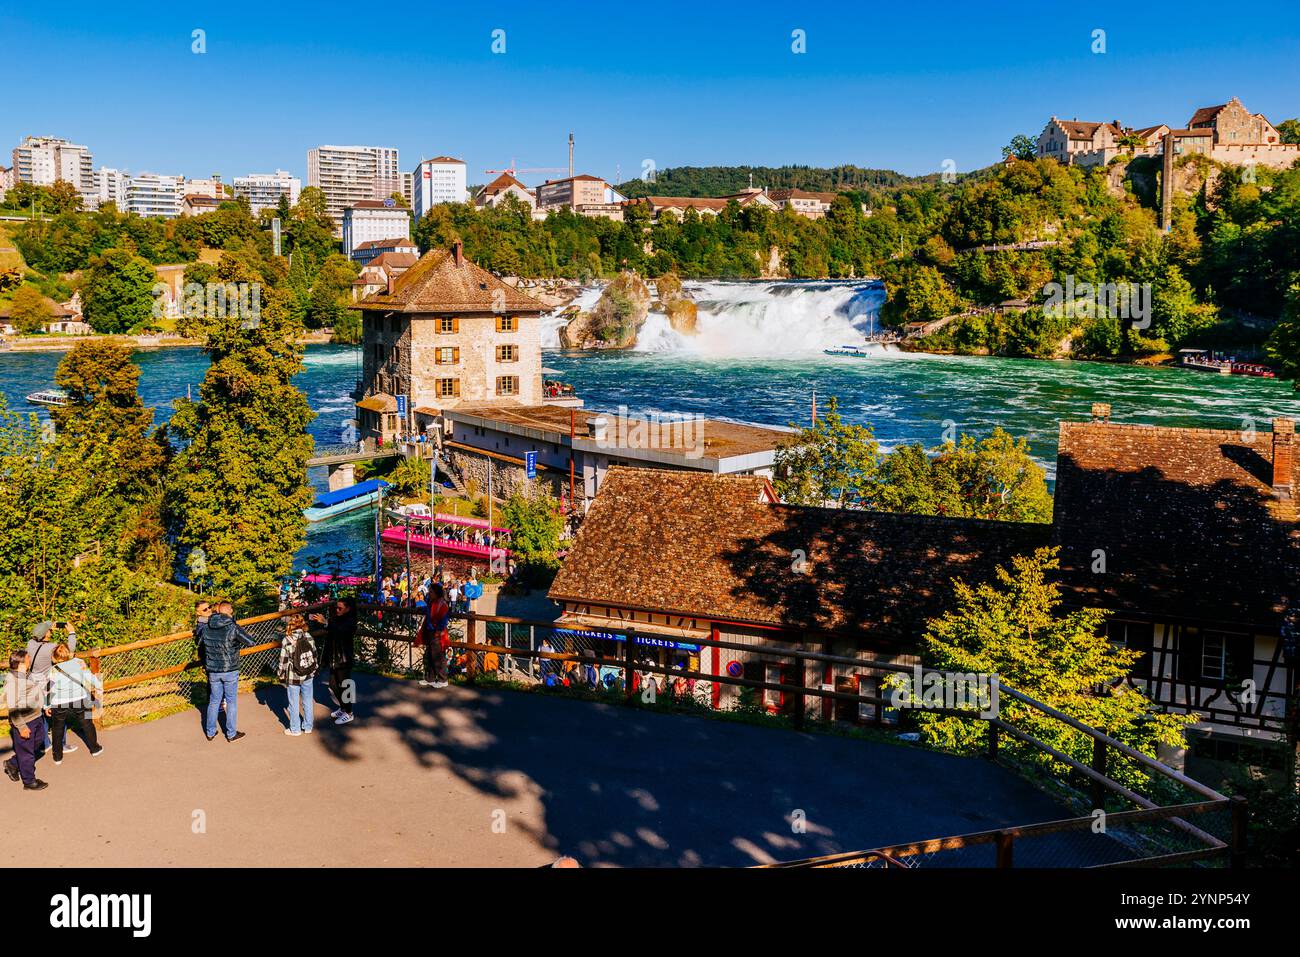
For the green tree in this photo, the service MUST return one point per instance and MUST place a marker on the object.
(1014, 628)
(104, 408)
(535, 525)
(992, 478)
(831, 462)
(118, 292)
(1021, 147)
(29, 310)
(238, 483)
(1283, 344)
(1289, 130)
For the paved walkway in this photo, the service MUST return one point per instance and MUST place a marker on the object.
(477, 777)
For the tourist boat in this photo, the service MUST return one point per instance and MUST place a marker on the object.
(418, 529)
(1204, 361)
(49, 397)
(856, 351)
(329, 504)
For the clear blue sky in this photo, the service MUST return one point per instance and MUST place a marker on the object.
(893, 85)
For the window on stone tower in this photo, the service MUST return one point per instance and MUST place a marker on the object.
(448, 355)
(507, 385)
(507, 323)
(448, 325)
(447, 388)
(507, 353)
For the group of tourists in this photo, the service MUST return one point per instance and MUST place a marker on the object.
(49, 691)
(46, 681)
(312, 644)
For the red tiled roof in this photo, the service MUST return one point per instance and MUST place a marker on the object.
(384, 244)
(502, 182)
(1206, 114)
(710, 547)
(444, 159)
(437, 284)
(793, 193)
(1187, 520)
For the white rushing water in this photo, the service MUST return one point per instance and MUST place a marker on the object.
(738, 319)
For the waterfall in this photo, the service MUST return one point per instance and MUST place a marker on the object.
(766, 318)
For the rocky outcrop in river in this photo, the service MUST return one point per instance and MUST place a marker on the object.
(615, 320)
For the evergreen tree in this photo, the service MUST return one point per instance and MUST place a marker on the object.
(238, 485)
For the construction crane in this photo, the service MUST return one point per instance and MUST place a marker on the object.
(512, 170)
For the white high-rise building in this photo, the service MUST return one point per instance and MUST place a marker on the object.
(150, 194)
(44, 160)
(438, 180)
(6, 181)
(348, 175)
(265, 189)
(111, 187)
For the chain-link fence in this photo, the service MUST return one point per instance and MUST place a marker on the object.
(161, 676)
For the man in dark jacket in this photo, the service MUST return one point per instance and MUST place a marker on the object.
(338, 652)
(222, 639)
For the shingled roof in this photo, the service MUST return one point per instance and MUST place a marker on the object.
(444, 281)
(1188, 521)
(717, 547)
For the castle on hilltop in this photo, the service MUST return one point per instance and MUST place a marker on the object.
(1228, 133)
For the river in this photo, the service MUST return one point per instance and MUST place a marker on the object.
(757, 358)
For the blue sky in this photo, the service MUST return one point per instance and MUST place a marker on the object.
(902, 86)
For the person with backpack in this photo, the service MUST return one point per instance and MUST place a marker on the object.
(40, 656)
(74, 690)
(222, 639)
(435, 638)
(297, 668)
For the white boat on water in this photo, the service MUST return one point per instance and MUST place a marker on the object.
(855, 351)
(49, 397)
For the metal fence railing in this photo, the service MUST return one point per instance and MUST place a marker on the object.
(1133, 810)
(1138, 810)
(160, 676)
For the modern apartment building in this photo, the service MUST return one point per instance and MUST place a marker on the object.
(6, 181)
(348, 175)
(44, 160)
(264, 190)
(211, 187)
(438, 180)
(374, 219)
(151, 194)
(573, 193)
(111, 187)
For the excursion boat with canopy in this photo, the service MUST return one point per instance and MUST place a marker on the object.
(50, 398)
(445, 534)
(329, 504)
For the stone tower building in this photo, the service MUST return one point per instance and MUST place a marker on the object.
(445, 332)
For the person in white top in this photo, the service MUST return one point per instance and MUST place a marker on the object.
(74, 689)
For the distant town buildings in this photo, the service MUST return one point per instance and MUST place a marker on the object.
(505, 185)
(374, 219)
(370, 250)
(807, 204)
(111, 186)
(196, 204)
(263, 190)
(583, 194)
(677, 206)
(6, 181)
(348, 175)
(1228, 133)
(212, 186)
(438, 180)
(44, 160)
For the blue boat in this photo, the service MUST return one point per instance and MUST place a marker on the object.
(329, 504)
